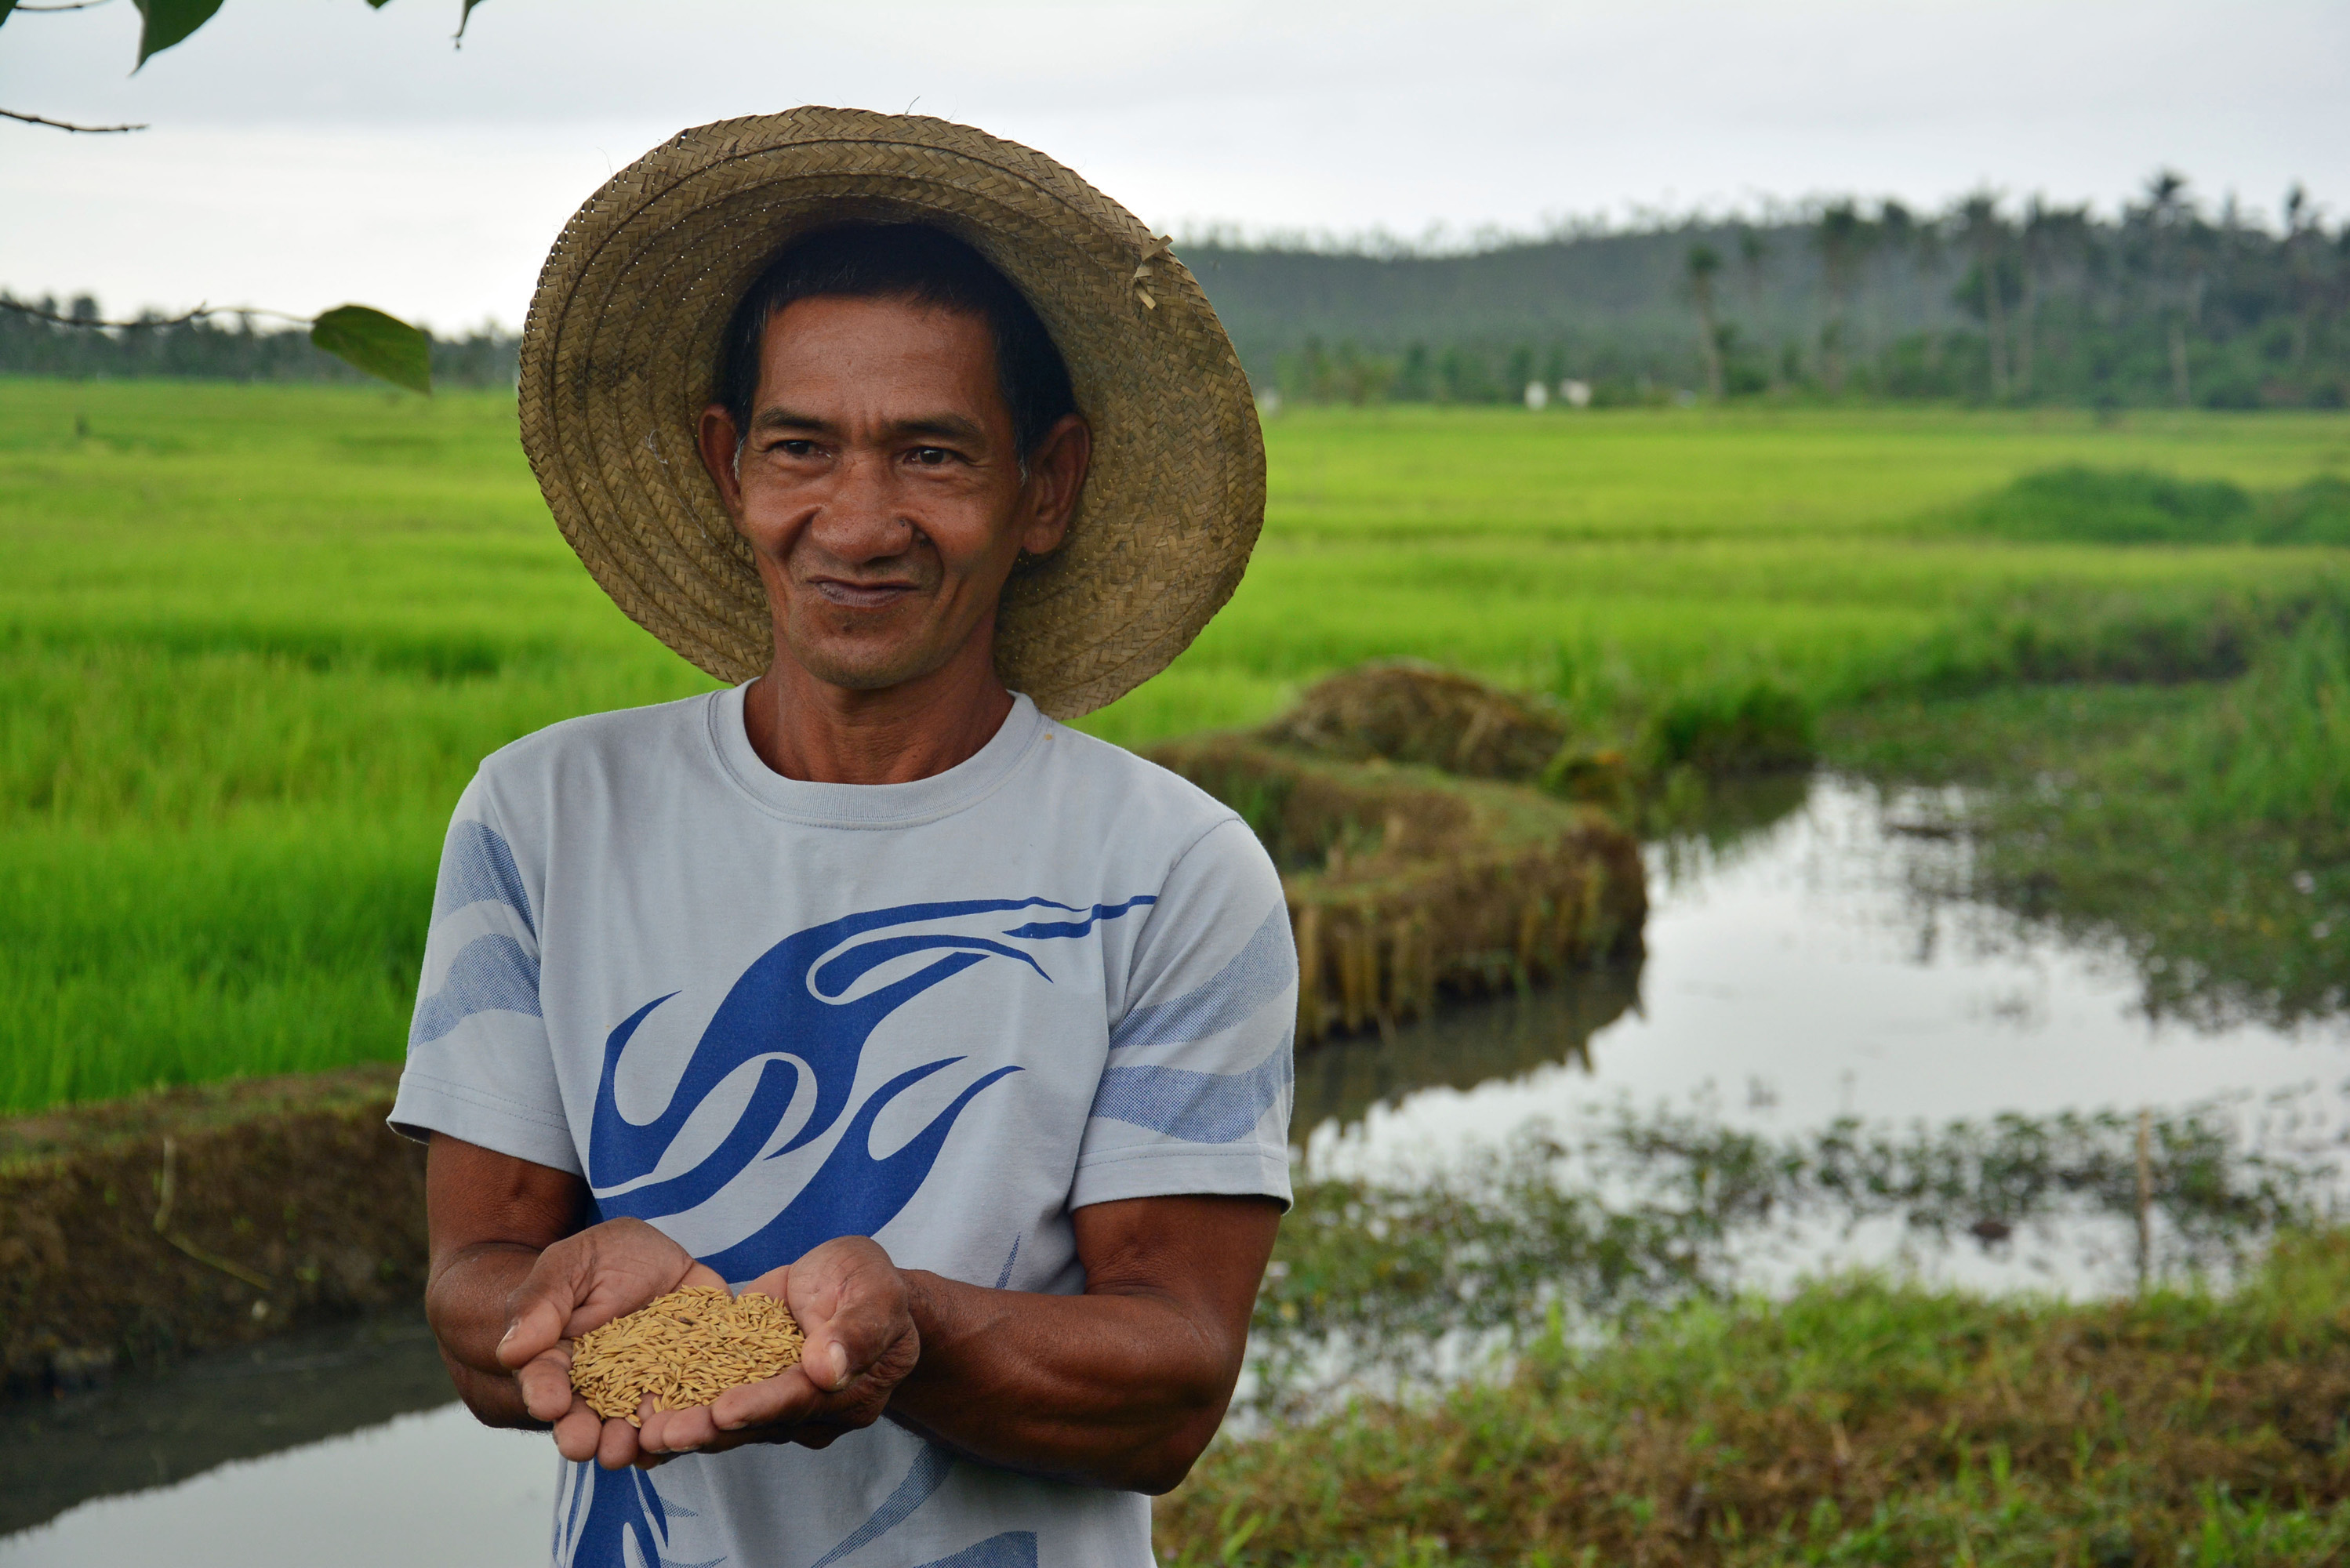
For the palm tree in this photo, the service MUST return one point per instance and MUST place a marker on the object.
(2171, 215)
(1986, 234)
(1753, 250)
(2303, 243)
(1843, 237)
(1897, 236)
(1704, 261)
(2049, 235)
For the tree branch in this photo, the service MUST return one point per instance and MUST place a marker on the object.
(71, 5)
(68, 125)
(22, 308)
(198, 313)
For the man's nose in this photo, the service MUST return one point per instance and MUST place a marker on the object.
(863, 518)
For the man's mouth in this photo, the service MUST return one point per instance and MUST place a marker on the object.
(860, 596)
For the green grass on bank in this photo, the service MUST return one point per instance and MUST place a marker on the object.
(1856, 1422)
(253, 639)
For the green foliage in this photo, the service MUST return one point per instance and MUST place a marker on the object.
(2139, 506)
(1753, 726)
(163, 23)
(382, 346)
(2275, 750)
(2128, 507)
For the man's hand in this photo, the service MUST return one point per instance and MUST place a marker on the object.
(578, 1284)
(854, 1306)
(1121, 1387)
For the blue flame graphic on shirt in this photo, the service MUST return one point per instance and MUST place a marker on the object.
(793, 1009)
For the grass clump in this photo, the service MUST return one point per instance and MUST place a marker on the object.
(2151, 506)
(1859, 1421)
(1411, 712)
(1757, 726)
(1405, 882)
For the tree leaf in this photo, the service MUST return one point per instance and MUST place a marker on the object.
(8, 5)
(464, 16)
(167, 22)
(380, 344)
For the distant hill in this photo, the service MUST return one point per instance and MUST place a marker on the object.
(2162, 303)
(1602, 302)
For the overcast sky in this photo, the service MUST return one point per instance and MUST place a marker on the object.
(308, 151)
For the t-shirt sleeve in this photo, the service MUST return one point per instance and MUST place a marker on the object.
(480, 1066)
(1196, 1094)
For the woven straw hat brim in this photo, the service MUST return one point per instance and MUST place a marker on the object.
(623, 334)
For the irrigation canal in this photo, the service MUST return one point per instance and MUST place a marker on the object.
(1809, 966)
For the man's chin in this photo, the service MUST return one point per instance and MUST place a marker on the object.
(867, 669)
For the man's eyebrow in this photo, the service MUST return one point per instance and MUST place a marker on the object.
(942, 427)
(945, 426)
(773, 417)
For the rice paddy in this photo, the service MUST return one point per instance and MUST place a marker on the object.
(253, 639)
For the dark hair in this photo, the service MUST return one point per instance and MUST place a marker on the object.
(901, 260)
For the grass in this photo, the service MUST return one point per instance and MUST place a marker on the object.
(253, 639)
(1858, 1421)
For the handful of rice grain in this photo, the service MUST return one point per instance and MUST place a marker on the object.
(684, 1349)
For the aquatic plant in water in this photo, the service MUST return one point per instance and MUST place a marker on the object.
(1591, 1231)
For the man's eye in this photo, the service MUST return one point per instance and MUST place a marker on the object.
(931, 456)
(796, 448)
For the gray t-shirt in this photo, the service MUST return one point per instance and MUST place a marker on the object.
(761, 1013)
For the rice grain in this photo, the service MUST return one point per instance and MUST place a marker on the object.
(683, 1350)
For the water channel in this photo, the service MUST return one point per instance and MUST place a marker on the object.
(1806, 968)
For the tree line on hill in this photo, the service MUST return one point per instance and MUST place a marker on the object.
(2166, 302)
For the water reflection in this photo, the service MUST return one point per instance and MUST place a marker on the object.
(1458, 1048)
(232, 1405)
(1802, 966)
(434, 1487)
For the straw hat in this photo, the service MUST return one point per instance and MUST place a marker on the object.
(623, 334)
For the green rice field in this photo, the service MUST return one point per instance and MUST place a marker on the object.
(253, 640)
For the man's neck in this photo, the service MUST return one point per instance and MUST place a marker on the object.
(810, 729)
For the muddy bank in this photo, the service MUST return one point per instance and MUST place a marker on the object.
(137, 1232)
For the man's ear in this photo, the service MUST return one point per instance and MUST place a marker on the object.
(1056, 476)
(720, 445)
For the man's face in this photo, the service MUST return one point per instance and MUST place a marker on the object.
(879, 486)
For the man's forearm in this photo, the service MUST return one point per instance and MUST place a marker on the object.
(467, 1303)
(1114, 1390)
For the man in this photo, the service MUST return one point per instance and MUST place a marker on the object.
(864, 983)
